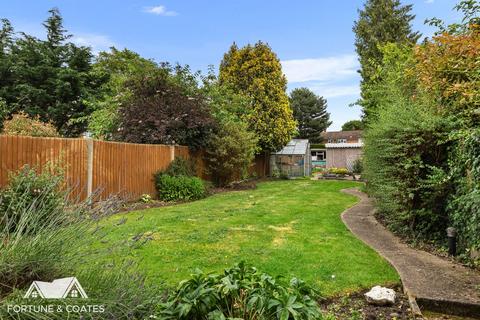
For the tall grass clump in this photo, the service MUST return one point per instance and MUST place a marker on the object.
(45, 236)
(35, 242)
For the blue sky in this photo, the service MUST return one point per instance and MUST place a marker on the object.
(313, 38)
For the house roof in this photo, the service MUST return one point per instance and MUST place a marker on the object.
(349, 135)
(294, 147)
(343, 145)
(56, 289)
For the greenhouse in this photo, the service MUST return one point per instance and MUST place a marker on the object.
(294, 160)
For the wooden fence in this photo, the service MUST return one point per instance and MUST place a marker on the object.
(100, 167)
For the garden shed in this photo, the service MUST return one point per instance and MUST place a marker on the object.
(294, 160)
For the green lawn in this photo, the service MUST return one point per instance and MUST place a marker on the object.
(290, 228)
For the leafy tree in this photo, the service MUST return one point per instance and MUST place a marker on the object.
(159, 112)
(470, 10)
(310, 112)
(353, 125)
(380, 22)
(255, 71)
(22, 125)
(4, 111)
(405, 150)
(230, 152)
(6, 66)
(225, 103)
(51, 77)
(421, 152)
(118, 67)
(448, 68)
(232, 147)
(183, 77)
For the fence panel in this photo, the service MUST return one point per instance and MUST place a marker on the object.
(18, 151)
(182, 151)
(125, 169)
(260, 166)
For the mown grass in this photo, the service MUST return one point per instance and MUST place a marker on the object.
(289, 228)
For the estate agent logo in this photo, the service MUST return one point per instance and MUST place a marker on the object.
(57, 289)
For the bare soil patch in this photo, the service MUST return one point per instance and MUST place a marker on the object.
(355, 306)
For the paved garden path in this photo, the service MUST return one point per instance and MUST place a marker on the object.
(436, 283)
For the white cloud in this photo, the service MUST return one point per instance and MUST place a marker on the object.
(97, 42)
(429, 1)
(329, 77)
(321, 69)
(334, 91)
(160, 11)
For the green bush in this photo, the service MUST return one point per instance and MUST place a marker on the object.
(279, 174)
(29, 191)
(146, 198)
(464, 201)
(180, 167)
(357, 166)
(404, 158)
(178, 182)
(341, 171)
(422, 142)
(406, 151)
(318, 170)
(172, 188)
(241, 292)
(275, 173)
(22, 125)
(230, 152)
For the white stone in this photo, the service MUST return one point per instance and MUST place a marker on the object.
(380, 296)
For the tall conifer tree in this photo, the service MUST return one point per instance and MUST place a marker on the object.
(380, 22)
(311, 114)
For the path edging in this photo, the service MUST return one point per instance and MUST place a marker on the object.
(415, 309)
(427, 303)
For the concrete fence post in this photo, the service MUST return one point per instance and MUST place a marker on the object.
(89, 142)
(172, 153)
